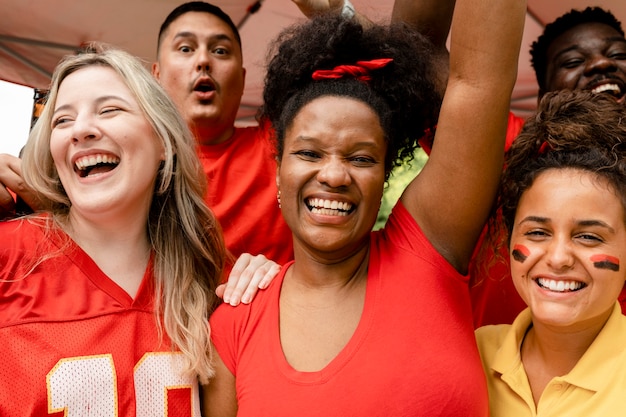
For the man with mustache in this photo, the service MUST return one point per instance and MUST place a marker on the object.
(200, 65)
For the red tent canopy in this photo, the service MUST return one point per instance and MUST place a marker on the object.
(35, 34)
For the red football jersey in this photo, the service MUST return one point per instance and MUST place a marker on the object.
(76, 344)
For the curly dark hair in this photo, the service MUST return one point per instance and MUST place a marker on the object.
(571, 129)
(402, 93)
(573, 18)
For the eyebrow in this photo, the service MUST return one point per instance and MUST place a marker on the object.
(574, 47)
(585, 223)
(362, 144)
(97, 101)
(596, 223)
(213, 38)
(616, 39)
(535, 219)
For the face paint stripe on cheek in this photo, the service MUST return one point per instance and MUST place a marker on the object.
(605, 262)
(520, 253)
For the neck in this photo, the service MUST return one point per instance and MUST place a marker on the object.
(548, 352)
(121, 251)
(209, 134)
(565, 345)
(558, 352)
(314, 270)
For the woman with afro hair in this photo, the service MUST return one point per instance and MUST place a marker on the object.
(366, 323)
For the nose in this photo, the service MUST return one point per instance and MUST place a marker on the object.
(84, 128)
(202, 60)
(560, 255)
(600, 64)
(334, 173)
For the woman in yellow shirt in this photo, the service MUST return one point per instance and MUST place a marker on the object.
(563, 199)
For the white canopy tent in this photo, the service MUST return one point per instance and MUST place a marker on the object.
(35, 34)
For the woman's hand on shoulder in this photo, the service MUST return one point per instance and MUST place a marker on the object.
(249, 274)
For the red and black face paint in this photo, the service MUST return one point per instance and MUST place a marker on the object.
(605, 262)
(520, 253)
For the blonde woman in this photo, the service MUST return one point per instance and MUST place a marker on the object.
(105, 295)
(366, 323)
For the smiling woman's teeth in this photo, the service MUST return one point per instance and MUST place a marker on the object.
(93, 160)
(329, 207)
(559, 286)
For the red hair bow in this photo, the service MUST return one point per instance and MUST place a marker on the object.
(360, 71)
(545, 147)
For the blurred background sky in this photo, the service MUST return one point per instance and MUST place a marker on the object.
(16, 104)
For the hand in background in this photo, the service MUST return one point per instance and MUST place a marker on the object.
(12, 184)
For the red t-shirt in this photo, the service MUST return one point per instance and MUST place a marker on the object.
(242, 194)
(74, 342)
(413, 352)
(494, 297)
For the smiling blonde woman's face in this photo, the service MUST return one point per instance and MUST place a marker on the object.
(105, 151)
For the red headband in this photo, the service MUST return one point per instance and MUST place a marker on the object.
(360, 71)
(545, 147)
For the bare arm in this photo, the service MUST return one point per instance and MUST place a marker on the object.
(11, 179)
(311, 8)
(219, 396)
(453, 194)
(432, 18)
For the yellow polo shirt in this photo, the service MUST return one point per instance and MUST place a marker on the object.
(595, 387)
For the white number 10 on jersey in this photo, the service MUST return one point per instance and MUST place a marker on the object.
(83, 383)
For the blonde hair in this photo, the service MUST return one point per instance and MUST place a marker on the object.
(188, 246)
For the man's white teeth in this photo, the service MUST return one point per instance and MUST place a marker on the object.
(93, 160)
(559, 286)
(329, 207)
(614, 88)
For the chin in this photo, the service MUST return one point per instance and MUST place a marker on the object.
(557, 316)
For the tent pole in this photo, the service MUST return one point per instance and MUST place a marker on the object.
(252, 9)
(25, 60)
(45, 44)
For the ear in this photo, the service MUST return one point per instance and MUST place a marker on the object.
(156, 71)
(243, 80)
(277, 173)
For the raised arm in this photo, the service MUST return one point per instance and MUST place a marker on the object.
(453, 194)
(432, 18)
(312, 8)
(11, 181)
